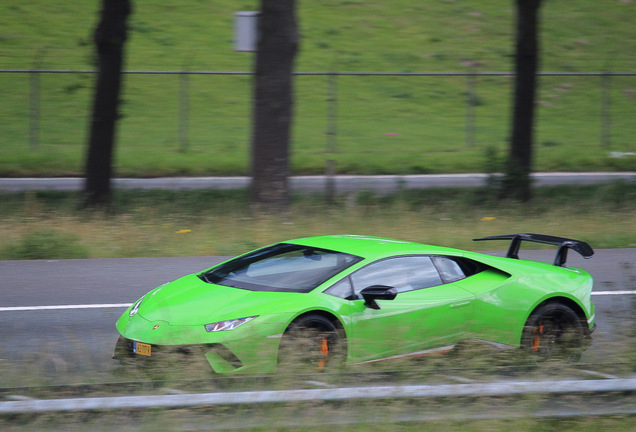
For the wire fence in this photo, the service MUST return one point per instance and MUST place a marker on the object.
(338, 115)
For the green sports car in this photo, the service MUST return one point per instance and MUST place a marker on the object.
(327, 301)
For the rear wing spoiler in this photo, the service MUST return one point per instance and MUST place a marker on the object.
(564, 244)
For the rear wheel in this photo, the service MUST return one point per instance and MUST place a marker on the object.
(311, 344)
(554, 332)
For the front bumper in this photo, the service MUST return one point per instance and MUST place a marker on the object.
(216, 356)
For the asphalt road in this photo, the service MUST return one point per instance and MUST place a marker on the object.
(60, 314)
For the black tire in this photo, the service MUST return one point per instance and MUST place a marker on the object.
(554, 332)
(311, 344)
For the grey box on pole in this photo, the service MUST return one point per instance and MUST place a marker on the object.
(246, 30)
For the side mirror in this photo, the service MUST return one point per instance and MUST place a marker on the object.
(377, 292)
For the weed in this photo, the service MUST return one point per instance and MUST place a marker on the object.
(47, 244)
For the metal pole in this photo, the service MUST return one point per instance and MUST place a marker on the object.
(606, 114)
(332, 120)
(471, 99)
(34, 103)
(184, 109)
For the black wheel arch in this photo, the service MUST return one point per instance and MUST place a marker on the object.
(566, 302)
(318, 319)
(329, 316)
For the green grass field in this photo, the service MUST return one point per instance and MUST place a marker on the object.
(384, 124)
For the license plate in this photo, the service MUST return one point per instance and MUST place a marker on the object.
(143, 349)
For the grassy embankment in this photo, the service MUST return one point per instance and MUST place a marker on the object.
(159, 223)
(384, 125)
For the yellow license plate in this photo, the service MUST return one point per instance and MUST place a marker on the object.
(142, 349)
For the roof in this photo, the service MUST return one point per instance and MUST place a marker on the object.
(370, 246)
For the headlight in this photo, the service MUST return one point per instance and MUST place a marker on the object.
(227, 325)
(135, 307)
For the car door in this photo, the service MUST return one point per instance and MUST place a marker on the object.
(426, 313)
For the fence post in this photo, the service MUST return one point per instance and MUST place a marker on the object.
(606, 114)
(471, 100)
(34, 103)
(184, 108)
(332, 119)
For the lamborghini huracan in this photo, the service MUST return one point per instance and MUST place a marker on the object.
(332, 301)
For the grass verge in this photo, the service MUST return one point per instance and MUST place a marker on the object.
(48, 225)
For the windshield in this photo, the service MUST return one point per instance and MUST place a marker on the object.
(282, 267)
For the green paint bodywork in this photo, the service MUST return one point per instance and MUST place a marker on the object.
(492, 305)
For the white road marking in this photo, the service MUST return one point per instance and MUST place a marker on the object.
(87, 306)
(125, 305)
(613, 292)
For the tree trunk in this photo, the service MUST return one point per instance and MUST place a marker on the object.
(109, 37)
(273, 104)
(517, 181)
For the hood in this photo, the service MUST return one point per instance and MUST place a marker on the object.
(191, 301)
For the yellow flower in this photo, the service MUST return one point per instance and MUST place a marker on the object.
(488, 218)
(183, 231)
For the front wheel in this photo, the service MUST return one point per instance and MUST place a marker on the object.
(554, 332)
(311, 344)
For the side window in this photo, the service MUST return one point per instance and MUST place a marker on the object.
(341, 289)
(449, 269)
(468, 266)
(404, 273)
